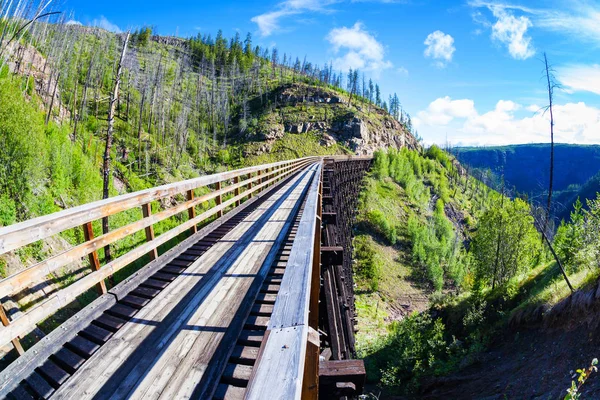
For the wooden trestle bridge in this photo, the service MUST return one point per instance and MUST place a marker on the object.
(249, 294)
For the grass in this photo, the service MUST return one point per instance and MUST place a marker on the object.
(290, 146)
(545, 285)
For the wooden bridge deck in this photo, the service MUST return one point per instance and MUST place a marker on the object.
(165, 350)
(231, 312)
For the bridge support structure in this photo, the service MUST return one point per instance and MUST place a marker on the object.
(340, 374)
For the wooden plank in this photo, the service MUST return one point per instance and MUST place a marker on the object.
(291, 308)
(62, 298)
(88, 234)
(81, 346)
(27, 232)
(192, 210)
(5, 322)
(281, 362)
(310, 383)
(236, 180)
(39, 385)
(53, 374)
(68, 360)
(219, 199)
(244, 355)
(147, 211)
(21, 394)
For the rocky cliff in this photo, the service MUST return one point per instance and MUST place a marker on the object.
(359, 127)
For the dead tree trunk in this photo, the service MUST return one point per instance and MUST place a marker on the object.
(139, 135)
(109, 140)
(551, 85)
(52, 100)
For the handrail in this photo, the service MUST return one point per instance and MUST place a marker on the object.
(21, 234)
(290, 339)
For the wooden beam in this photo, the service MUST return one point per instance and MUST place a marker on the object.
(285, 351)
(16, 343)
(259, 174)
(250, 185)
(192, 210)
(333, 255)
(219, 199)
(147, 211)
(342, 378)
(88, 234)
(310, 382)
(236, 180)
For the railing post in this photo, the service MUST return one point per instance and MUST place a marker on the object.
(192, 211)
(16, 343)
(236, 193)
(269, 176)
(250, 186)
(310, 382)
(219, 199)
(259, 173)
(147, 211)
(88, 234)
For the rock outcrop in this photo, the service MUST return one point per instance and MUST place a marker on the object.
(361, 128)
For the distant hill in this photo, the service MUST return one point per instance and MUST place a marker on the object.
(526, 169)
(589, 190)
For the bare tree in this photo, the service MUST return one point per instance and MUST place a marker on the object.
(109, 139)
(551, 86)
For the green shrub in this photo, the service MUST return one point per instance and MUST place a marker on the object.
(8, 211)
(368, 263)
(415, 346)
(379, 221)
(381, 164)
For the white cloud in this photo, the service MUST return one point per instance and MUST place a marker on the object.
(270, 22)
(574, 123)
(363, 50)
(105, 24)
(512, 31)
(443, 110)
(579, 19)
(402, 71)
(73, 22)
(584, 78)
(440, 47)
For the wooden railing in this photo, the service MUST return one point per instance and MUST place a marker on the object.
(240, 185)
(287, 367)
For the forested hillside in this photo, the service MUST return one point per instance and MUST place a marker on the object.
(452, 275)
(88, 114)
(526, 168)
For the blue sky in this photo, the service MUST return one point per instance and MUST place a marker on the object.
(468, 70)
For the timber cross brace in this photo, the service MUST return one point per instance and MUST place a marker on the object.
(340, 375)
(249, 296)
